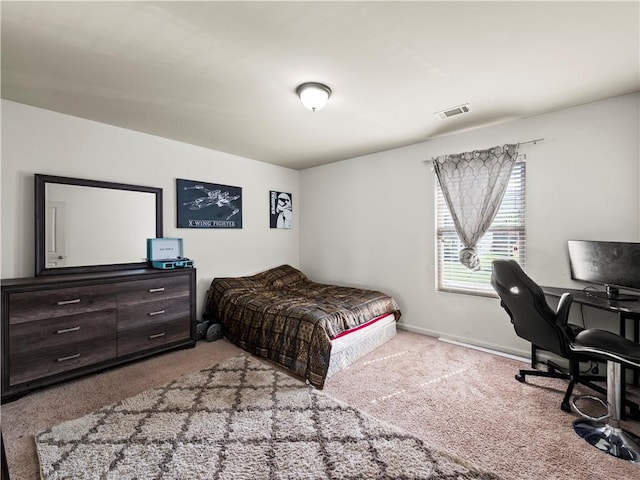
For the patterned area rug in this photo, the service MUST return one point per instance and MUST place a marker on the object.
(241, 419)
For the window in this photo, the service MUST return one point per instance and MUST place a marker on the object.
(504, 239)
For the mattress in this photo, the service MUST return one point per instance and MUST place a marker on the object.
(352, 345)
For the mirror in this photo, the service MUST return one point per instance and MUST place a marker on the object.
(91, 226)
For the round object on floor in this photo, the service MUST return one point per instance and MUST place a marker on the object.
(214, 332)
(201, 329)
(609, 439)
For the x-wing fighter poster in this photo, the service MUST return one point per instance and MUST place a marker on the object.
(208, 205)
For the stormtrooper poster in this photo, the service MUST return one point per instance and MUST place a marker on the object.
(208, 205)
(280, 210)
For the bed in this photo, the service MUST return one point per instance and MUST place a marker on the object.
(312, 329)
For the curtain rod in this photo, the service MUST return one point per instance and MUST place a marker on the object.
(534, 141)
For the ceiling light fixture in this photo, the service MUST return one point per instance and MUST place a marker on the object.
(313, 95)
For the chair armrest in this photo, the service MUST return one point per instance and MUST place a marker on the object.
(562, 312)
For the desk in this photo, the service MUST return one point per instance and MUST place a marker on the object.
(626, 310)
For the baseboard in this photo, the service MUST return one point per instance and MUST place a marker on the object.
(515, 354)
(486, 350)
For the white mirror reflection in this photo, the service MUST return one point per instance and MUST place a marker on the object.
(96, 226)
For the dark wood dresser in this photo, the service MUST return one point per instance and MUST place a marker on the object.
(62, 326)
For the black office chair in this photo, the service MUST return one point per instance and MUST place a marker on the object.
(617, 352)
(537, 323)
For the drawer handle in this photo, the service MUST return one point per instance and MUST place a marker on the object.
(159, 312)
(67, 330)
(157, 335)
(69, 302)
(68, 357)
(156, 290)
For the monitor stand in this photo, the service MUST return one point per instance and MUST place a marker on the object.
(613, 294)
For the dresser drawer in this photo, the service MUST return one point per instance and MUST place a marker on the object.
(150, 313)
(133, 293)
(35, 364)
(64, 331)
(151, 336)
(60, 302)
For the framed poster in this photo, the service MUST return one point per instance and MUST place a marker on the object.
(208, 205)
(280, 210)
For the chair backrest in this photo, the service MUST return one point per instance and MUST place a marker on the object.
(527, 306)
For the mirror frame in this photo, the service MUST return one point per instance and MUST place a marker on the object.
(40, 217)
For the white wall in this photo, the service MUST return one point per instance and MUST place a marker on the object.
(41, 141)
(369, 221)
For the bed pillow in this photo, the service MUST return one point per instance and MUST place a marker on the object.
(282, 276)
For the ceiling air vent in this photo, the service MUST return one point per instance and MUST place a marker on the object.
(453, 111)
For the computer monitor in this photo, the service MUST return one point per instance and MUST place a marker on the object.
(612, 264)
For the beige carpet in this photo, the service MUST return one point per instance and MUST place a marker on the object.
(238, 419)
(469, 403)
(456, 399)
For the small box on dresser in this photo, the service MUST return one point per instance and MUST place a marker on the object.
(59, 327)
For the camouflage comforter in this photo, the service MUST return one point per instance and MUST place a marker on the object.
(283, 316)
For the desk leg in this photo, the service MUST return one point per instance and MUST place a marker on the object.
(623, 374)
(5, 467)
(635, 409)
(636, 338)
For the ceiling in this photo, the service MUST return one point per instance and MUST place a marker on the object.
(223, 75)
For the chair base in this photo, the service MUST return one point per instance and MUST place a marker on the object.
(613, 440)
(555, 372)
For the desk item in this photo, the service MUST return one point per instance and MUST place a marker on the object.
(617, 352)
(545, 328)
(614, 265)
